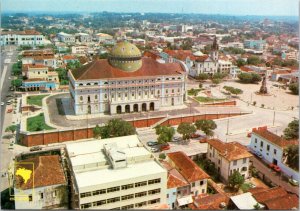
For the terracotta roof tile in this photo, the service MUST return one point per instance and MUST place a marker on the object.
(101, 69)
(186, 167)
(275, 139)
(175, 179)
(210, 202)
(47, 171)
(287, 202)
(202, 58)
(68, 57)
(230, 151)
(180, 54)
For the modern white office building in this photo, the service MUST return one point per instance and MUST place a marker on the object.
(115, 173)
(66, 38)
(21, 38)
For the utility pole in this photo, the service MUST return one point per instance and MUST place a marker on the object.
(227, 126)
(274, 118)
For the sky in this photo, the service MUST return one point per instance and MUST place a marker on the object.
(227, 7)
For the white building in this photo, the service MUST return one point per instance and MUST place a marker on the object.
(66, 38)
(115, 173)
(192, 173)
(83, 37)
(224, 66)
(234, 71)
(271, 147)
(45, 189)
(228, 157)
(126, 82)
(21, 38)
(101, 37)
(39, 57)
(79, 50)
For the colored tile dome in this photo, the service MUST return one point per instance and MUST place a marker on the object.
(125, 56)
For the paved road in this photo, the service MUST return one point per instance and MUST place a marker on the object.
(273, 176)
(57, 113)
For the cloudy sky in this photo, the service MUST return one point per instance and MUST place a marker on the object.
(232, 7)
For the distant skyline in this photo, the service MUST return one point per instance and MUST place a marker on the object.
(224, 7)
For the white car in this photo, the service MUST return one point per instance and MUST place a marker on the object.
(2, 103)
(154, 149)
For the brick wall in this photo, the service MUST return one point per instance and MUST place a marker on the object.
(227, 103)
(48, 137)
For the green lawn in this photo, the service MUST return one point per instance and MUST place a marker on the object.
(245, 187)
(208, 99)
(35, 100)
(194, 91)
(37, 123)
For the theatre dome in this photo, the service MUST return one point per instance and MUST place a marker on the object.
(125, 56)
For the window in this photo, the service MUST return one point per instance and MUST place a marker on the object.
(193, 184)
(81, 98)
(219, 161)
(99, 192)
(155, 191)
(244, 169)
(140, 93)
(126, 197)
(261, 144)
(201, 182)
(113, 200)
(125, 187)
(41, 195)
(268, 147)
(154, 181)
(54, 193)
(167, 91)
(158, 92)
(140, 194)
(255, 140)
(234, 162)
(105, 96)
(275, 151)
(244, 160)
(30, 197)
(141, 204)
(96, 97)
(127, 207)
(172, 90)
(138, 184)
(87, 205)
(113, 189)
(99, 203)
(87, 194)
(119, 95)
(167, 196)
(154, 201)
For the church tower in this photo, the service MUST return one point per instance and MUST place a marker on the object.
(214, 54)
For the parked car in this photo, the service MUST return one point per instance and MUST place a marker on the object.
(9, 96)
(11, 146)
(249, 135)
(274, 167)
(293, 182)
(175, 139)
(9, 110)
(204, 140)
(44, 91)
(165, 147)
(152, 143)
(9, 102)
(2, 103)
(154, 149)
(195, 135)
(35, 148)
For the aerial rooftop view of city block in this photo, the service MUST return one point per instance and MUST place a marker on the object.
(149, 104)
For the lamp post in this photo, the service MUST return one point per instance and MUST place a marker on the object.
(227, 127)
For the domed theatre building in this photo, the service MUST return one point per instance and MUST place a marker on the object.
(126, 82)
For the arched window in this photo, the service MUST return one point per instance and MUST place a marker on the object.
(81, 98)
(88, 84)
(96, 97)
(167, 79)
(105, 96)
(105, 82)
(172, 90)
(96, 83)
(80, 84)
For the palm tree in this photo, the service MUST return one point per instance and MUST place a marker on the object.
(292, 156)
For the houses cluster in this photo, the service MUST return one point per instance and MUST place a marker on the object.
(120, 173)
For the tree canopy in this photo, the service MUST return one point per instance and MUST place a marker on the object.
(207, 126)
(235, 180)
(165, 133)
(117, 128)
(97, 131)
(292, 153)
(292, 130)
(294, 88)
(249, 77)
(11, 128)
(186, 129)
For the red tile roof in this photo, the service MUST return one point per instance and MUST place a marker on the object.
(246, 69)
(230, 151)
(186, 167)
(275, 198)
(101, 69)
(275, 139)
(46, 171)
(202, 58)
(152, 55)
(68, 57)
(180, 54)
(210, 202)
(175, 179)
(26, 32)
